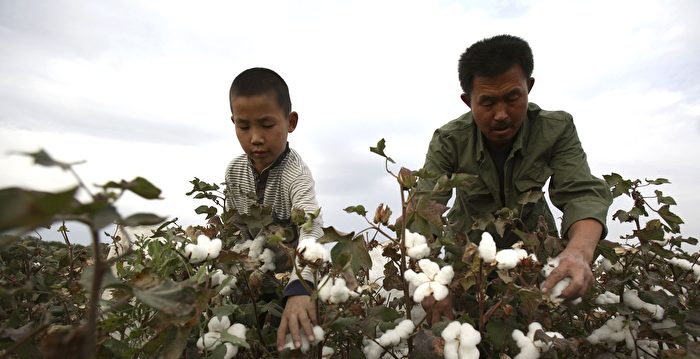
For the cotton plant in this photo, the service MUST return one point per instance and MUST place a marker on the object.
(607, 298)
(631, 298)
(213, 338)
(431, 280)
(531, 348)
(505, 259)
(319, 334)
(313, 251)
(373, 349)
(263, 258)
(487, 248)
(461, 340)
(334, 290)
(609, 266)
(205, 248)
(218, 278)
(614, 330)
(686, 265)
(416, 245)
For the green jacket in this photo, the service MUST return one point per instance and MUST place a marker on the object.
(546, 146)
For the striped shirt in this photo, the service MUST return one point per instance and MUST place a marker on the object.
(285, 184)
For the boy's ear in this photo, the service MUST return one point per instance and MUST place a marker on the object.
(293, 120)
(232, 120)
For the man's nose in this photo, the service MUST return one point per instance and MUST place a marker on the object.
(501, 112)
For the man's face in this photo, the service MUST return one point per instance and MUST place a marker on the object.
(262, 128)
(499, 105)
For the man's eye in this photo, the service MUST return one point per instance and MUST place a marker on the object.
(513, 97)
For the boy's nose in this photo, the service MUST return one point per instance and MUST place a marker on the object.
(256, 139)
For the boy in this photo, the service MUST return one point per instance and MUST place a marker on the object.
(261, 111)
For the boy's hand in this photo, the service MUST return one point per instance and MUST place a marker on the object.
(299, 313)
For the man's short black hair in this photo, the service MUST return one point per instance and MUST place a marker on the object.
(493, 56)
(259, 81)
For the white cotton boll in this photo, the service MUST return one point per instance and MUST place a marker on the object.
(555, 294)
(327, 352)
(209, 341)
(607, 298)
(686, 265)
(608, 266)
(468, 352)
(231, 351)
(430, 268)
(487, 248)
(242, 246)
(445, 275)
(319, 334)
(527, 347)
(237, 330)
(324, 290)
(451, 331)
(312, 250)
(214, 248)
(468, 336)
(613, 331)
(390, 338)
(371, 349)
(256, 247)
(339, 292)
(423, 291)
(195, 253)
(532, 328)
(405, 328)
(218, 277)
(631, 298)
(440, 291)
(268, 260)
(219, 325)
(549, 266)
(416, 245)
(452, 349)
(522, 254)
(507, 259)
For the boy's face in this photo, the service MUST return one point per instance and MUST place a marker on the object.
(262, 127)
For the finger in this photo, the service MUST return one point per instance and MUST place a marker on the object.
(311, 310)
(306, 324)
(554, 278)
(294, 329)
(282, 333)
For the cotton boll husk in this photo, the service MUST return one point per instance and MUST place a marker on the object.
(217, 324)
(507, 259)
(487, 248)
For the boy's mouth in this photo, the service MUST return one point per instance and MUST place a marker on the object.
(258, 153)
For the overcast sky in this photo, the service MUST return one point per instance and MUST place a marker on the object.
(140, 88)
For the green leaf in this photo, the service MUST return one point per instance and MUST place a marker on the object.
(225, 310)
(201, 186)
(210, 211)
(654, 297)
(498, 332)
(139, 186)
(42, 158)
(380, 150)
(384, 314)
(359, 209)
(661, 199)
(225, 336)
(257, 218)
(176, 341)
(108, 279)
(167, 296)
(618, 185)
(657, 181)
(142, 219)
(356, 249)
(330, 235)
(24, 209)
(670, 218)
(343, 323)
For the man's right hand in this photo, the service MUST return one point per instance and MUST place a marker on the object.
(437, 309)
(299, 317)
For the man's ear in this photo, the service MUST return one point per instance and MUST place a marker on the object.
(466, 99)
(530, 83)
(293, 120)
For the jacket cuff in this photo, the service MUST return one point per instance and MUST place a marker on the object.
(583, 208)
(296, 288)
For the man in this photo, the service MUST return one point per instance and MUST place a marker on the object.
(514, 147)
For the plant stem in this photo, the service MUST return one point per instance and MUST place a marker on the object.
(89, 349)
(63, 231)
(402, 246)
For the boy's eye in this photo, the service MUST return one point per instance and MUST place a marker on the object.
(268, 124)
(243, 126)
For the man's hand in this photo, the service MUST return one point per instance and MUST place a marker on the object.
(299, 313)
(575, 260)
(438, 309)
(574, 266)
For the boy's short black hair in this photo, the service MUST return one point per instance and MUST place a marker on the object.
(493, 56)
(258, 81)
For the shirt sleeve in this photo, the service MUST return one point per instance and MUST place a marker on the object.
(438, 160)
(303, 196)
(573, 189)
